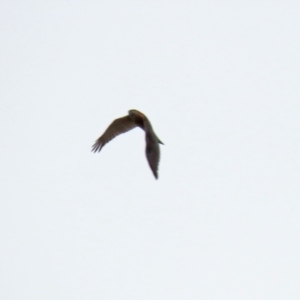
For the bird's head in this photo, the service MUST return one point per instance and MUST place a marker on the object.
(135, 113)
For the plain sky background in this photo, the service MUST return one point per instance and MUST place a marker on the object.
(220, 82)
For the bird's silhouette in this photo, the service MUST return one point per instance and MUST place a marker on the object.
(134, 119)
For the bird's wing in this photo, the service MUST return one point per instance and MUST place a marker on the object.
(117, 127)
(152, 154)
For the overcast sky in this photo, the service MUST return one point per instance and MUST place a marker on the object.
(220, 83)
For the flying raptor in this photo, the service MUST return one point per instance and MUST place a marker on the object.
(134, 119)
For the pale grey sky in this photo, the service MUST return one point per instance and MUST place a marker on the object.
(219, 81)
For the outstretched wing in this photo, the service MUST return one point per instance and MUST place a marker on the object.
(152, 154)
(117, 127)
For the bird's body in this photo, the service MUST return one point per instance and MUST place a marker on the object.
(124, 124)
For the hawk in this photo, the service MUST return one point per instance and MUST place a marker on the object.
(134, 119)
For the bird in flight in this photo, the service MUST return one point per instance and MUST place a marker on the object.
(134, 119)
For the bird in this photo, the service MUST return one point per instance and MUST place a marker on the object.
(134, 119)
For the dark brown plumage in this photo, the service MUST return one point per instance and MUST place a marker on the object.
(124, 124)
